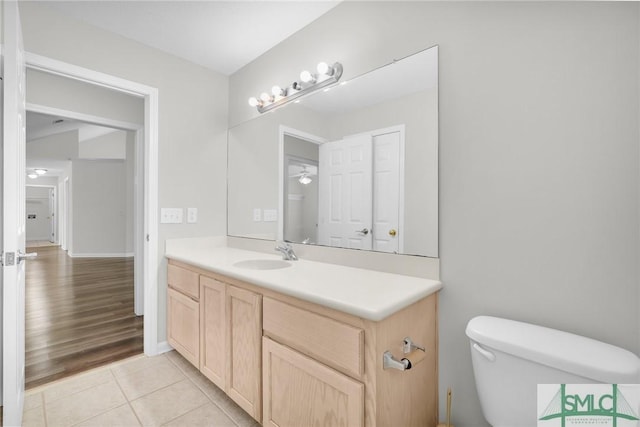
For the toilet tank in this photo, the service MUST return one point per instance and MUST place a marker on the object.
(511, 358)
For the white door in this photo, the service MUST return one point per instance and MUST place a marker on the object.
(13, 216)
(386, 192)
(345, 182)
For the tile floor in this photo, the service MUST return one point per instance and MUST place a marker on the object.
(165, 390)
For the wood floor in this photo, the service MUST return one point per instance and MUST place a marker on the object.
(79, 314)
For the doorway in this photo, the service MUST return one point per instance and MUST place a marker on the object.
(41, 207)
(146, 241)
(80, 298)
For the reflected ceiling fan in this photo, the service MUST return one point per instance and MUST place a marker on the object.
(304, 176)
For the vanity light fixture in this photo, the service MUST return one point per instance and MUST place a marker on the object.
(327, 75)
(307, 77)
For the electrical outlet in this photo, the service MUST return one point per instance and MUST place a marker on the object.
(192, 215)
(257, 214)
(171, 215)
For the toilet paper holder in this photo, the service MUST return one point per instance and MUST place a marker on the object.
(409, 348)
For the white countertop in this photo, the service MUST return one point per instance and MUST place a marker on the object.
(364, 293)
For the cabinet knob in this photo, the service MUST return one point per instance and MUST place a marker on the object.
(392, 232)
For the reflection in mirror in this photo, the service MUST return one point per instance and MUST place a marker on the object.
(354, 167)
(300, 216)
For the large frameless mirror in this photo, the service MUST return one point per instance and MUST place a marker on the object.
(355, 166)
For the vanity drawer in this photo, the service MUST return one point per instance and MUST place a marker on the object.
(183, 280)
(329, 341)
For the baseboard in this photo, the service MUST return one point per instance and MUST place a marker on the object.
(163, 347)
(99, 255)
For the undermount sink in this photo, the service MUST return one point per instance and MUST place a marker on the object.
(262, 264)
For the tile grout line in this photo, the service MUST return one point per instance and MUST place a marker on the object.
(103, 412)
(151, 392)
(182, 415)
(135, 414)
(205, 393)
(44, 410)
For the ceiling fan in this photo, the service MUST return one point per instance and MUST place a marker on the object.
(304, 176)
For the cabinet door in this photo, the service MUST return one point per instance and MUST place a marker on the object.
(213, 342)
(299, 391)
(183, 325)
(244, 334)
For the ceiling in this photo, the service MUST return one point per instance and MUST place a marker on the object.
(221, 35)
(40, 126)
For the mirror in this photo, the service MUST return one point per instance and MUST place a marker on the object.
(354, 167)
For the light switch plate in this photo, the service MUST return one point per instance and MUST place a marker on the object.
(270, 215)
(257, 214)
(171, 215)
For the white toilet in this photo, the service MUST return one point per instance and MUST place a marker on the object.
(511, 358)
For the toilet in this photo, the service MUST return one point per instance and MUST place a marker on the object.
(511, 358)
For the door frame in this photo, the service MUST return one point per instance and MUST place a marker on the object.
(54, 224)
(64, 214)
(147, 220)
(282, 131)
(138, 190)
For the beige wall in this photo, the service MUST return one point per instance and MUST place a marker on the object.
(61, 92)
(538, 162)
(253, 167)
(100, 208)
(192, 117)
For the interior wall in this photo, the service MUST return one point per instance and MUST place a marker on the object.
(112, 145)
(538, 124)
(418, 112)
(192, 118)
(99, 208)
(60, 146)
(73, 95)
(253, 152)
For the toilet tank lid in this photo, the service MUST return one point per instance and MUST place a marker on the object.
(568, 352)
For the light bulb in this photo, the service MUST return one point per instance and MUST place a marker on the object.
(323, 68)
(277, 91)
(304, 179)
(32, 175)
(307, 77)
(40, 171)
(265, 97)
(254, 102)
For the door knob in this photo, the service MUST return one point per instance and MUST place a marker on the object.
(392, 232)
(364, 231)
(22, 256)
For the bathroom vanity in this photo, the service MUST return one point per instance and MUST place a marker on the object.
(302, 342)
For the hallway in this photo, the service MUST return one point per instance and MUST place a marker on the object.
(79, 314)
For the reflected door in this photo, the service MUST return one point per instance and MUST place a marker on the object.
(345, 193)
(386, 195)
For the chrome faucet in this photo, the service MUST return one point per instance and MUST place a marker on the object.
(287, 251)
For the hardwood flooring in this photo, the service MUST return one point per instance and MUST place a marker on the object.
(79, 314)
